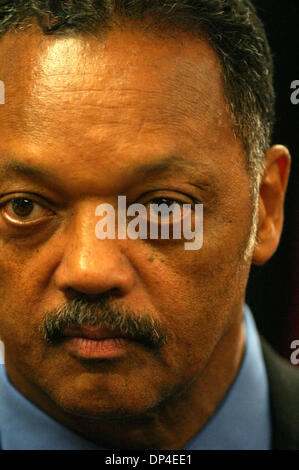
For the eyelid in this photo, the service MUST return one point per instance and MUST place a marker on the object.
(157, 199)
(20, 195)
(20, 222)
(175, 197)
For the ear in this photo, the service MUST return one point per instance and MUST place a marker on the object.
(271, 200)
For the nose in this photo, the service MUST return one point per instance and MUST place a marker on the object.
(91, 266)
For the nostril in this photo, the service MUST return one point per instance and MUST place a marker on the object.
(116, 292)
(72, 294)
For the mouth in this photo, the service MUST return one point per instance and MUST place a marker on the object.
(95, 343)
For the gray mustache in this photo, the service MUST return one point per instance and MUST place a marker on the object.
(84, 312)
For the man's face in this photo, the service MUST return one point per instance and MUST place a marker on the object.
(96, 115)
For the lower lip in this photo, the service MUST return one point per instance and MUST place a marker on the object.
(98, 349)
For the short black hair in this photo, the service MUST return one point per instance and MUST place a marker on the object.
(232, 27)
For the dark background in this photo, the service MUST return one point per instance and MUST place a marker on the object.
(273, 289)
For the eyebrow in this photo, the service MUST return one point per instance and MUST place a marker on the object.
(167, 163)
(18, 168)
(200, 173)
(13, 166)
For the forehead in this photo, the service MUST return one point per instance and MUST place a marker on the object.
(83, 72)
(84, 95)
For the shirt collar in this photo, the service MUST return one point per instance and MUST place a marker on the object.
(241, 421)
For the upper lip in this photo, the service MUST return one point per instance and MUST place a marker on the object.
(94, 333)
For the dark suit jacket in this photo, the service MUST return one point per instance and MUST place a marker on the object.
(284, 398)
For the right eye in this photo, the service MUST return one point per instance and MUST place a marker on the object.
(22, 210)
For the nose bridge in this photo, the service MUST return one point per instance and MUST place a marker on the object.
(90, 265)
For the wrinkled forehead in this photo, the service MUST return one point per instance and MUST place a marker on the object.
(82, 101)
(89, 77)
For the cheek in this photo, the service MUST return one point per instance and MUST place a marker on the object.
(19, 295)
(199, 294)
(200, 277)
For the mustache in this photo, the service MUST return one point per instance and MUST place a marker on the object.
(140, 327)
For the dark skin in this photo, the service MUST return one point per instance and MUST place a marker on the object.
(94, 115)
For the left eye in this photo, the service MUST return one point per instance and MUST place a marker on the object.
(22, 209)
(165, 200)
(163, 203)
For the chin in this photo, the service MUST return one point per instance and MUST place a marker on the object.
(112, 407)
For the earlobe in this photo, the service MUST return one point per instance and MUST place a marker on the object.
(271, 200)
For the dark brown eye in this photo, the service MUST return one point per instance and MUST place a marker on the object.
(21, 210)
(163, 205)
(22, 207)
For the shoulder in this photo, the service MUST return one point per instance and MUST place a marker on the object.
(284, 398)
